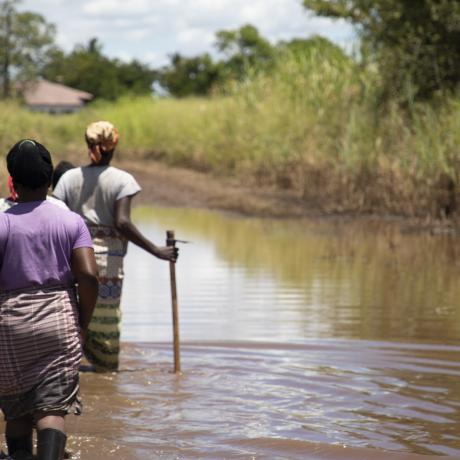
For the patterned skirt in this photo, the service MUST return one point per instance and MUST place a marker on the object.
(40, 351)
(102, 345)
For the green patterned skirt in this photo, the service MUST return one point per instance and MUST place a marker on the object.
(102, 345)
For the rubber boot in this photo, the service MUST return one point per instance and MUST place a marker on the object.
(50, 444)
(19, 447)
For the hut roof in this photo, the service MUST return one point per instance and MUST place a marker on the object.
(47, 93)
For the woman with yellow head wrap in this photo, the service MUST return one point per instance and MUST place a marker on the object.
(102, 195)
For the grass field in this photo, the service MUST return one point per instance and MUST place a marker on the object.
(313, 125)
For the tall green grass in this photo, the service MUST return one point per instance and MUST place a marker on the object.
(313, 125)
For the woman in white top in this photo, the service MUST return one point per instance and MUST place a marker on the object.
(102, 195)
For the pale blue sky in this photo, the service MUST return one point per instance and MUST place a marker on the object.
(150, 30)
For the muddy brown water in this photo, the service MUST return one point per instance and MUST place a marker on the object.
(300, 340)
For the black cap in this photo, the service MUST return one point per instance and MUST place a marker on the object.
(29, 164)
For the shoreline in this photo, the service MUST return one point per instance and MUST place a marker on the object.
(174, 186)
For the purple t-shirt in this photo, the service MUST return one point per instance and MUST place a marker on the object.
(36, 243)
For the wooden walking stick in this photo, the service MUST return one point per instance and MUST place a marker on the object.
(171, 241)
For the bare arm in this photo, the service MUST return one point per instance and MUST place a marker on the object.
(131, 233)
(84, 269)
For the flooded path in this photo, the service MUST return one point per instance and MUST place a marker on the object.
(255, 400)
(252, 279)
(301, 340)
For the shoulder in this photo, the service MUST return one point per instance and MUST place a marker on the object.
(67, 183)
(71, 215)
(55, 207)
(71, 175)
(56, 202)
(70, 219)
(69, 178)
(122, 174)
(70, 224)
(122, 181)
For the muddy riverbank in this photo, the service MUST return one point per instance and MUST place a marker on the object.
(168, 186)
(180, 187)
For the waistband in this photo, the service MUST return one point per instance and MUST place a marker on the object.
(35, 289)
(104, 231)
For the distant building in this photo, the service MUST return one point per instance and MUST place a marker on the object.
(46, 96)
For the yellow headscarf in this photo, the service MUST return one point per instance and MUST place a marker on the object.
(101, 137)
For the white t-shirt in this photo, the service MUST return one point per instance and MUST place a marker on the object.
(91, 191)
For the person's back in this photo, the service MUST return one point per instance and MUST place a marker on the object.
(102, 195)
(92, 191)
(44, 251)
(36, 240)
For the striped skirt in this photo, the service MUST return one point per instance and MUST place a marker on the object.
(102, 345)
(40, 351)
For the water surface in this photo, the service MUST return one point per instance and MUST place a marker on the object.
(300, 340)
(285, 281)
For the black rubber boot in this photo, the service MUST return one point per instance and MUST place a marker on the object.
(19, 447)
(50, 444)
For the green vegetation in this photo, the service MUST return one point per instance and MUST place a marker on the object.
(243, 50)
(87, 68)
(309, 125)
(28, 51)
(189, 76)
(375, 133)
(26, 44)
(415, 44)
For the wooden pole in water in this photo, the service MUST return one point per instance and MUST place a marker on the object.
(171, 241)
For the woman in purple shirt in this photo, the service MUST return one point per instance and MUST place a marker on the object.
(44, 251)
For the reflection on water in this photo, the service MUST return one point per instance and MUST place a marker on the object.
(245, 279)
(301, 340)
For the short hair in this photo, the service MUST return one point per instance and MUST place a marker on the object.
(60, 169)
(29, 164)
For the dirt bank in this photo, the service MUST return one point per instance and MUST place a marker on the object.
(172, 186)
(180, 187)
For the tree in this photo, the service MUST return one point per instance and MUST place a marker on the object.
(26, 44)
(243, 48)
(87, 68)
(189, 76)
(416, 44)
(316, 43)
(136, 77)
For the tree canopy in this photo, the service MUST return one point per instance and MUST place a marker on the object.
(243, 48)
(189, 76)
(87, 68)
(416, 44)
(26, 44)
(316, 43)
(239, 50)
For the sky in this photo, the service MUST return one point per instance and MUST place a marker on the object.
(151, 30)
